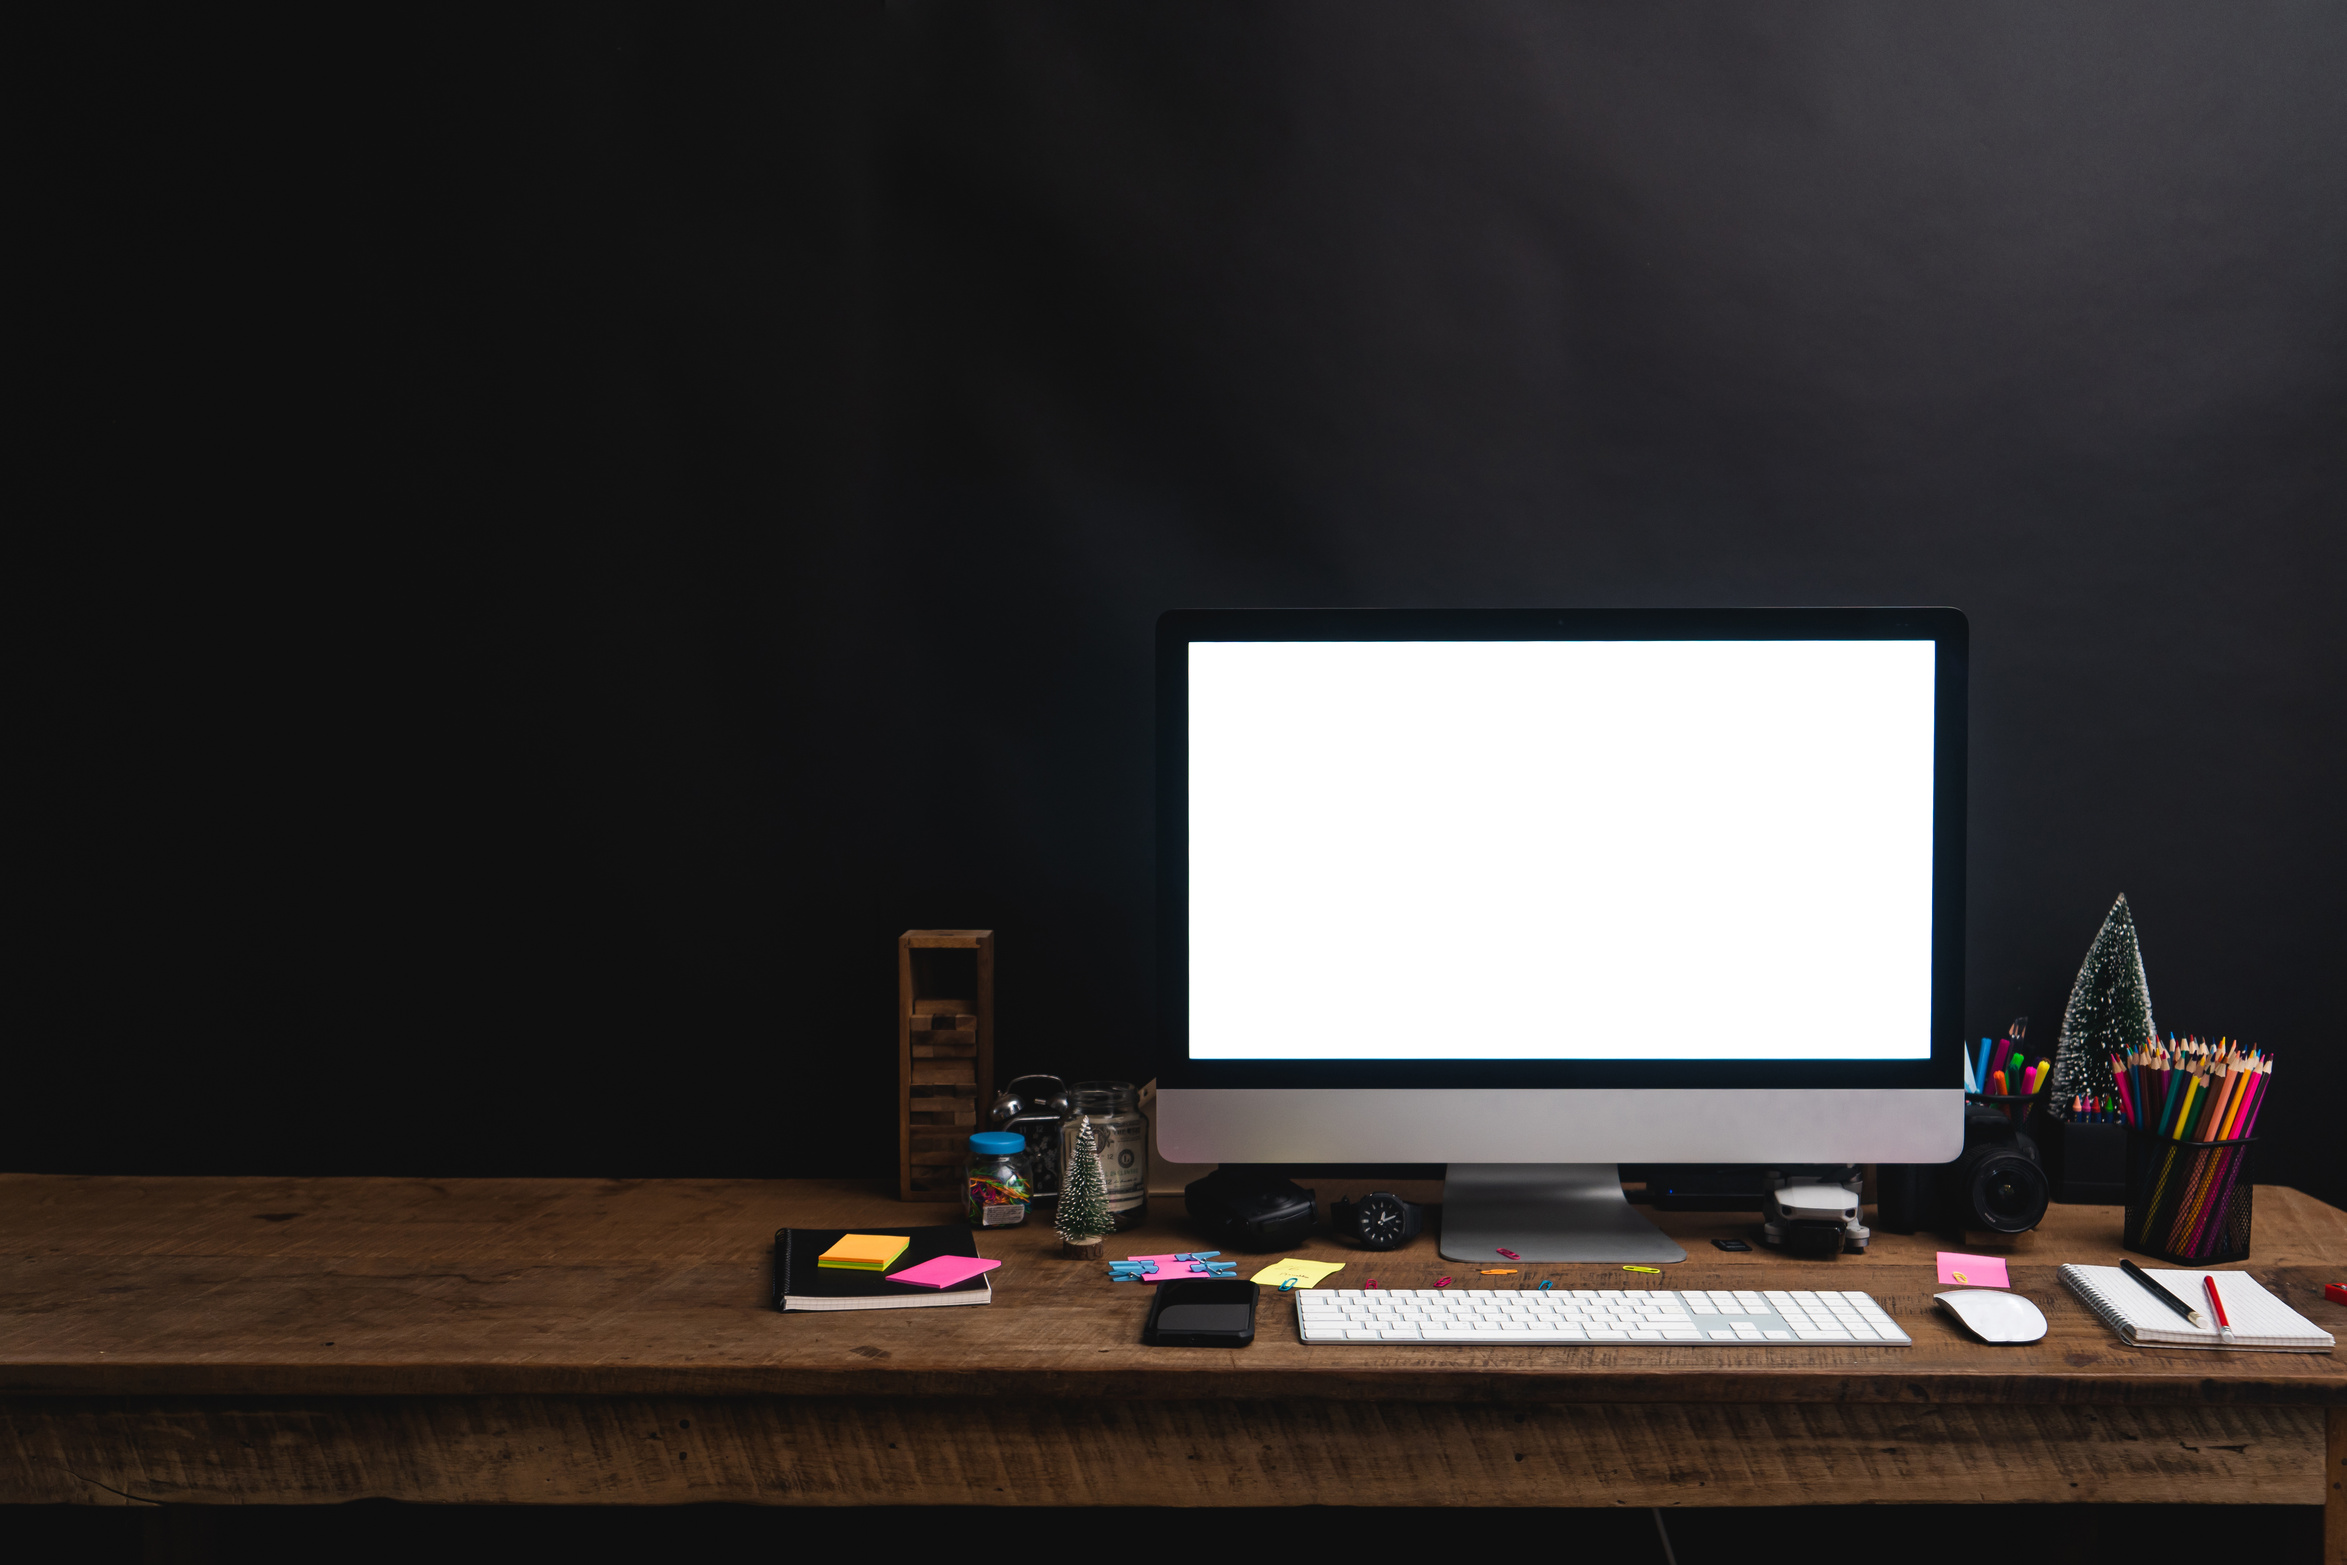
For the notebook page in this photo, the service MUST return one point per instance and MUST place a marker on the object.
(2256, 1314)
(2253, 1311)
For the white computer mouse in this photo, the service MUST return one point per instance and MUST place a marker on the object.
(1993, 1315)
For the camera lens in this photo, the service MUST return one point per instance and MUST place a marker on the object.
(2007, 1193)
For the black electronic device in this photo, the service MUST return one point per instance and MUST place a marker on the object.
(1249, 1209)
(1997, 1184)
(1729, 1244)
(1380, 1220)
(1202, 1313)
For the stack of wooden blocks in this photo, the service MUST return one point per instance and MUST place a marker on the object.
(945, 1055)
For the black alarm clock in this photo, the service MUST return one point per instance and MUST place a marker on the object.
(1380, 1220)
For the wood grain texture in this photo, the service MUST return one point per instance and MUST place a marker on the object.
(277, 1287)
(1029, 1451)
(2335, 1487)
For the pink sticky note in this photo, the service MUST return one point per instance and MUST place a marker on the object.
(943, 1271)
(1973, 1271)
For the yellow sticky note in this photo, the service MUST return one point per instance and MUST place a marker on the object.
(1307, 1273)
(865, 1252)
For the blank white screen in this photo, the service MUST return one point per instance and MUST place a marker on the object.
(1560, 849)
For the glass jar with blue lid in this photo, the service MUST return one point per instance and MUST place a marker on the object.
(1000, 1183)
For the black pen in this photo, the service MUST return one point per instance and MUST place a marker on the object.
(2162, 1294)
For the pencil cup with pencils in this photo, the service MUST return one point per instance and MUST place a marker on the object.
(2187, 1201)
(2191, 1110)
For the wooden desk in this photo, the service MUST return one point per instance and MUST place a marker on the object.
(573, 1341)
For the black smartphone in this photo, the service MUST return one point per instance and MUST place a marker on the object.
(1202, 1313)
(1731, 1244)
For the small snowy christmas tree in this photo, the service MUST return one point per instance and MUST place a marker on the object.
(1083, 1194)
(2109, 1012)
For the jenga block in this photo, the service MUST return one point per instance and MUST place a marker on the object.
(945, 1054)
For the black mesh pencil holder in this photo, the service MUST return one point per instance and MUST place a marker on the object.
(2187, 1201)
(2015, 1106)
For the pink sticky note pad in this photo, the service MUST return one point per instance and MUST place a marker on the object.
(943, 1272)
(1973, 1271)
(1170, 1269)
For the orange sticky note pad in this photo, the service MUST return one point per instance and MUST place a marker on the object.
(865, 1252)
(1973, 1271)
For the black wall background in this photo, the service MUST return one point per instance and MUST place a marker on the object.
(569, 531)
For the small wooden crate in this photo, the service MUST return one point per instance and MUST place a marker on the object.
(945, 1055)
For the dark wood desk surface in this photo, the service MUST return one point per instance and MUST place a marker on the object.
(362, 1311)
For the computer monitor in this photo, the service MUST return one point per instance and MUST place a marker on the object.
(1534, 893)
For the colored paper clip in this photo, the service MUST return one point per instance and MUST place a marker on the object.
(1511, 1255)
(1289, 1286)
(1654, 1269)
(1547, 1283)
(1499, 1271)
(1442, 1282)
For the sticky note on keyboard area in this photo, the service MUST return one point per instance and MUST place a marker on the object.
(943, 1271)
(1973, 1271)
(1308, 1274)
(865, 1252)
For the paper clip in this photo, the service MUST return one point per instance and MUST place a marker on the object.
(1511, 1255)
(1289, 1286)
(1499, 1271)
(1442, 1282)
(1371, 1283)
(1654, 1269)
(1547, 1283)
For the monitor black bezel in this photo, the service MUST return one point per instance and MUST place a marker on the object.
(1178, 628)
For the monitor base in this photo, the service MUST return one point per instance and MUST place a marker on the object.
(1546, 1212)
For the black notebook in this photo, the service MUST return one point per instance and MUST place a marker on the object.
(800, 1284)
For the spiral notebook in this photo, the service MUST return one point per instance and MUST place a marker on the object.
(2260, 1321)
(801, 1284)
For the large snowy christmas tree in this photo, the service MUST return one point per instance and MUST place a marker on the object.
(2109, 1012)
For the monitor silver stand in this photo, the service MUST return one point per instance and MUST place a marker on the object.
(1546, 1212)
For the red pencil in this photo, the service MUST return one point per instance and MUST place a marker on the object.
(2216, 1303)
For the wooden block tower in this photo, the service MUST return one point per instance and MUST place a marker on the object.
(945, 1055)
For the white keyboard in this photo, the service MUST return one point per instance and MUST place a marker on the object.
(1591, 1315)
